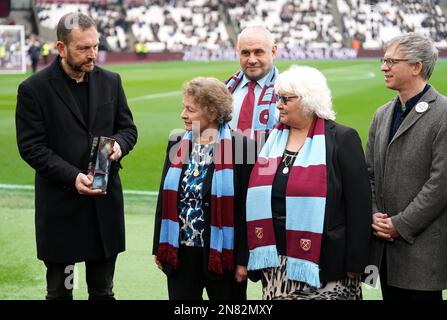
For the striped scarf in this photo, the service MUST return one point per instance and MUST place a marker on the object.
(222, 205)
(264, 119)
(305, 205)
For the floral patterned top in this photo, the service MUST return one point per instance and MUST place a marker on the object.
(191, 215)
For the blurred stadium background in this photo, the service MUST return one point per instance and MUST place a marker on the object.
(156, 46)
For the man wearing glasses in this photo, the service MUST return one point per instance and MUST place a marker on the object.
(406, 155)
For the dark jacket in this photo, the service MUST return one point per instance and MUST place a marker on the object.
(54, 139)
(347, 219)
(34, 52)
(241, 176)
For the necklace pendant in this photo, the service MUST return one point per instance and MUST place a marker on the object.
(196, 172)
(285, 170)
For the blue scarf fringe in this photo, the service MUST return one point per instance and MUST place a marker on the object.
(263, 257)
(304, 271)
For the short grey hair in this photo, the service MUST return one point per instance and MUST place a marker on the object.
(310, 85)
(70, 21)
(417, 48)
(212, 96)
(256, 29)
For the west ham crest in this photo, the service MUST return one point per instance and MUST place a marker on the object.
(305, 244)
(259, 232)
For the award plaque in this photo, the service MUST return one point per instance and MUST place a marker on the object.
(99, 164)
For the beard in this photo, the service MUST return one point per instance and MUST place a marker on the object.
(255, 74)
(82, 66)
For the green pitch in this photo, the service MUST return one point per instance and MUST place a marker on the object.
(154, 95)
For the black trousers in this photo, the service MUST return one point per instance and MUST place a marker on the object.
(189, 280)
(34, 64)
(395, 293)
(99, 278)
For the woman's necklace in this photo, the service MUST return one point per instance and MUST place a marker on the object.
(196, 163)
(202, 155)
(196, 171)
(289, 157)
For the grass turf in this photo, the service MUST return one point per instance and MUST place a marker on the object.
(154, 95)
(22, 276)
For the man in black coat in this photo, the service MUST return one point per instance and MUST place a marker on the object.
(59, 111)
(34, 52)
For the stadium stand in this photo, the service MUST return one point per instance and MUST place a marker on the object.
(306, 23)
(110, 17)
(180, 25)
(375, 22)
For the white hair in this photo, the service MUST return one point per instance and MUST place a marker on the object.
(310, 85)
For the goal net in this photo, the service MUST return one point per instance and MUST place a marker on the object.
(12, 49)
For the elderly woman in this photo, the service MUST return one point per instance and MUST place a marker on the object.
(200, 238)
(309, 200)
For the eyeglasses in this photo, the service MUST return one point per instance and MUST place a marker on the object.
(284, 99)
(391, 62)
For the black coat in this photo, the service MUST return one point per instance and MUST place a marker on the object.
(241, 172)
(347, 219)
(54, 139)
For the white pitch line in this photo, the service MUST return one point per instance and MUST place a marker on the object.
(363, 76)
(343, 69)
(155, 96)
(16, 187)
(146, 97)
(30, 187)
(360, 68)
(141, 193)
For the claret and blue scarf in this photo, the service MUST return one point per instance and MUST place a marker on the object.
(263, 119)
(222, 205)
(305, 205)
